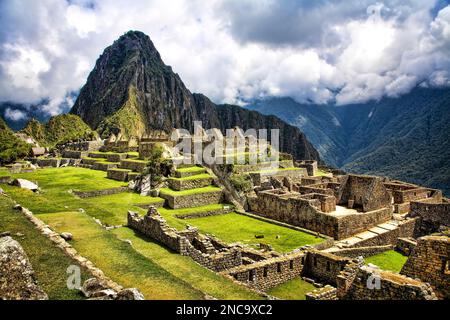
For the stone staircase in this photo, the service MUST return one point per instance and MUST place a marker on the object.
(386, 233)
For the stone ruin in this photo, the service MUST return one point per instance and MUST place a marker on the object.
(207, 251)
(120, 143)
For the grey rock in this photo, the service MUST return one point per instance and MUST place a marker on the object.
(25, 184)
(66, 236)
(130, 294)
(17, 278)
(92, 285)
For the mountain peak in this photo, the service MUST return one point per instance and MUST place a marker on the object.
(131, 91)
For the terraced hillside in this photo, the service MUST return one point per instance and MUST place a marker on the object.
(127, 257)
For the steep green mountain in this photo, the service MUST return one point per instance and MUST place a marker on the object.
(58, 129)
(405, 138)
(132, 91)
(11, 147)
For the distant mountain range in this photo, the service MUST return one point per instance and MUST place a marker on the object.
(406, 138)
(132, 91)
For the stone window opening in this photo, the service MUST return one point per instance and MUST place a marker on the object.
(303, 260)
(278, 267)
(291, 264)
(328, 266)
(265, 272)
(251, 276)
(315, 262)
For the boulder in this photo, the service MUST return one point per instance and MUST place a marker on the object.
(66, 236)
(17, 278)
(91, 286)
(130, 294)
(25, 184)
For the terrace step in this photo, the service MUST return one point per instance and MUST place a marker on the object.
(91, 161)
(157, 203)
(205, 211)
(104, 166)
(192, 182)
(189, 171)
(118, 174)
(243, 168)
(191, 198)
(110, 156)
(133, 165)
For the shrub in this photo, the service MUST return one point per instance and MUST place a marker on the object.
(241, 182)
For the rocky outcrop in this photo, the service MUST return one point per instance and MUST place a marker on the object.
(17, 278)
(131, 91)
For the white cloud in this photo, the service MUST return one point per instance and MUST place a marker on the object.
(231, 51)
(15, 114)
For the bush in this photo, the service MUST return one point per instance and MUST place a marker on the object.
(11, 147)
(158, 167)
(241, 182)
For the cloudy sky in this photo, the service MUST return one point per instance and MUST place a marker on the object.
(233, 51)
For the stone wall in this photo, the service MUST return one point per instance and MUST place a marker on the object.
(309, 165)
(133, 165)
(102, 166)
(187, 242)
(326, 293)
(362, 251)
(50, 162)
(262, 166)
(323, 266)
(431, 216)
(72, 154)
(305, 212)
(98, 193)
(370, 283)
(118, 174)
(366, 192)
(83, 145)
(269, 273)
(430, 261)
(406, 245)
(178, 185)
(193, 200)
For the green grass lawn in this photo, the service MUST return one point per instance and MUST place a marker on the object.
(234, 227)
(191, 169)
(119, 260)
(48, 261)
(189, 192)
(196, 177)
(295, 289)
(55, 195)
(390, 260)
(185, 268)
(187, 211)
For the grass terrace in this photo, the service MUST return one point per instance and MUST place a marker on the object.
(233, 227)
(185, 268)
(189, 192)
(295, 289)
(48, 261)
(390, 260)
(188, 211)
(191, 169)
(118, 260)
(196, 177)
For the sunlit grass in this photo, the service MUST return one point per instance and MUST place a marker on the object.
(389, 260)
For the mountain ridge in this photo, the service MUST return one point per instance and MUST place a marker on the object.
(131, 84)
(404, 138)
